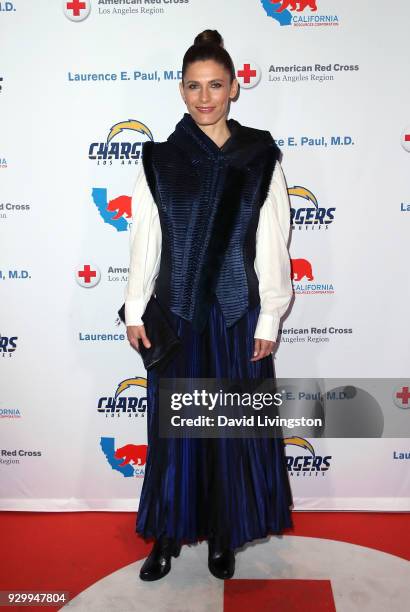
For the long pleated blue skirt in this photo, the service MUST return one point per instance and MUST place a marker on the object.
(236, 488)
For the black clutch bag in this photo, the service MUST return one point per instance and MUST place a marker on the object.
(161, 334)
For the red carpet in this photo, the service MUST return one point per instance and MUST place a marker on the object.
(71, 551)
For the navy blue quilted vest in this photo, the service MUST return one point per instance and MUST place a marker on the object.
(209, 200)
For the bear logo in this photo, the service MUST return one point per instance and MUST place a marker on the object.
(137, 453)
(120, 205)
(293, 5)
(300, 269)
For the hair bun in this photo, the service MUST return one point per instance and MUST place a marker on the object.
(209, 37)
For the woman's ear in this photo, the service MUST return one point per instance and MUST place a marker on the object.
(181, 90)
(234, 89)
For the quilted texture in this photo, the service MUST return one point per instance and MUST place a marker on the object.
(209, 200)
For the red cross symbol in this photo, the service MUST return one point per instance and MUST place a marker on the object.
(246, 73)
(87, 273)
(404, 395)
(76, 6)
(279, 594)
(406, 137)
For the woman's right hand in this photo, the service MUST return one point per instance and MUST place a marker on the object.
(136, 333)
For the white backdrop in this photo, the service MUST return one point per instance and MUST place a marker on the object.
(338, 71)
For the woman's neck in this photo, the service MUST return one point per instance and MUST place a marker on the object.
(218, 132)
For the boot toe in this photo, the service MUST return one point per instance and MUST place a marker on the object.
(154, 572)
(222, 565)
(158, 563)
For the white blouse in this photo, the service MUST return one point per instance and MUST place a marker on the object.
(272, 262)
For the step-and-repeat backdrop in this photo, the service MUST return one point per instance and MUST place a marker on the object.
(82, 85)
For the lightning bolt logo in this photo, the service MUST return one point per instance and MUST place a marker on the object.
(131, 124)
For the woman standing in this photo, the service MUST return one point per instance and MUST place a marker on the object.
(211, 221)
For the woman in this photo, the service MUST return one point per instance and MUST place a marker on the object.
(209, 237)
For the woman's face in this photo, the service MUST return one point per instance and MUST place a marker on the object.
(206, 90)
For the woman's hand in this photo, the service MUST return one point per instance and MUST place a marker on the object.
(262, 349)
(136, 333)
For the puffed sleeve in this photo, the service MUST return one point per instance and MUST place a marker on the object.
(272, 261)
(145, 250)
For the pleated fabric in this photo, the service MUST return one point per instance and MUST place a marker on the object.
(236, 488)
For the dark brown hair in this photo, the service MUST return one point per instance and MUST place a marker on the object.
(208, 45)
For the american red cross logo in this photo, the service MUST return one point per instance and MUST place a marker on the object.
(87, 274)
(76, 6)
(404, 395)
(246, 73)
(405, 138)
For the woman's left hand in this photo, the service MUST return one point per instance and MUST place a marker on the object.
(262, 349)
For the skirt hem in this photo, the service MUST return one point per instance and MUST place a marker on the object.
(149, 535)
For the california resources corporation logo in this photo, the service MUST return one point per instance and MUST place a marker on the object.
(301, 269)
(129, 459)
(116, 211)
(299, 13)
(305, 462)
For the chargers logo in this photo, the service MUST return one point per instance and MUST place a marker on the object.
(8, 345)
(129, 460)
(308, 463)
(288, 12)
(115, 212)
(309, 213)
(123, 403)
(126, 152)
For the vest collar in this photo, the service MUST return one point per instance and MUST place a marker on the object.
(243, 144)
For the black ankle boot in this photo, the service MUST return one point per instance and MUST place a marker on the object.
(158, 562)
(221, 559)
